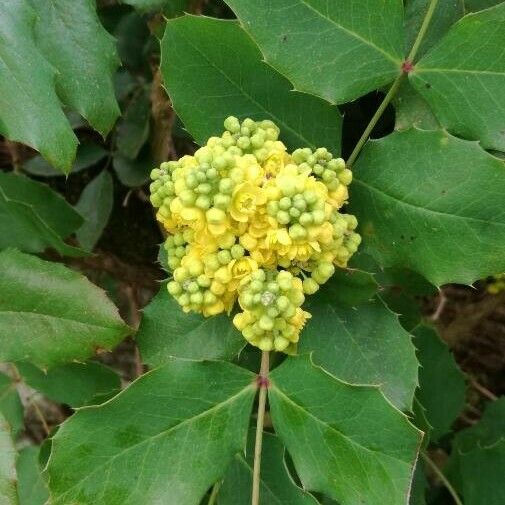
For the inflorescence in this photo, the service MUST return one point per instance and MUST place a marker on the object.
(249, 221)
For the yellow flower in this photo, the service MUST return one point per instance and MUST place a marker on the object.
(240, 269)
(245, 200)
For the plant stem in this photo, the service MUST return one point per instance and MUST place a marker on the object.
(214, 493)
(263, 385)
(443, 478)
(396, 84)
(422, 30)
(382, 107)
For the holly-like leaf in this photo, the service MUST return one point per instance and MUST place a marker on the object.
(463, 78)
(442, 384)
(95, 205)
(412, 110)
(166, 331)
(335, 50)
(165, 439)
(51, 315)
(32, 489)
(74, 384)
(212, 69)
(30, 110)
(364, 344)
(346, 441)
(71, 38)
(276, 486)
(425, 198)
(10, 404)
(33, 217)
(88, 154)
(8, 479)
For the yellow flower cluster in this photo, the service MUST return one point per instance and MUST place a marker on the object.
(249, 221)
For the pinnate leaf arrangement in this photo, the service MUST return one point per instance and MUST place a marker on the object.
(248, 220)
(285, 358)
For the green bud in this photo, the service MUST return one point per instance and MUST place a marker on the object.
(224, 257)
(237, 251)
(285, 203)
(232, 124)
(310, 286)
(174, 288)
(203, 202)
(225, 186)
(283, 217)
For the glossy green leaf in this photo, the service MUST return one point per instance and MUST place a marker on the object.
(134, 173)
(442, 384)
(10, 404)
(172, 6)
(420, 206)
(33, 217)
(346, 441)
(71, 38)
(463, 78)
(8, 479)
(133, 128)
(166, 331)
(30, 111)
(412, 110)
(212, 69)
(88, 154)
(364, 344)
(419, 485)
(50, 314)
(335, 50)
(165, 439)
(276, 486)
(74, 384)
(32, 489)
(95, 205)
(478, 5)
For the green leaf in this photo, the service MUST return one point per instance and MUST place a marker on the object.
(463, 78)
(442, 384)
(276, 487)
(32, 489)
(420, 207)
(30, 111)
(419, 485)
(74, 384)
(33, 217)
(346, 441)
(8, 480)
(10, 404)
(134, 173)
(335, 50)
(51, 315)
(412, 110)
(133, 128)
(151, 5)
(478, 5)
(212, 69)
(364, 344)
(95, 204)
(166, 331)
(75, 43)
(88, 154)
(446, 13)
(165, 439)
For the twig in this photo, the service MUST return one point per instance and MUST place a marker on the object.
(442, 301)
(483, 391)
(41, 417)
(263, 385)
(442, 478)
(214, 493)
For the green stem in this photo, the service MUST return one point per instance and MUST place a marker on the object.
(442, 478)
(214, 493)
(395, 86)
(422, 30)
(262, 399)
(382, 107)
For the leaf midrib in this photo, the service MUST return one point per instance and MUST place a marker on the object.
(162, 433)
(426, 209)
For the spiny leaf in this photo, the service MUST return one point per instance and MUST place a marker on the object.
(347, 442)
(336, 50)
(51, 315)
(425, 198)
(212, 69)
(165, 439)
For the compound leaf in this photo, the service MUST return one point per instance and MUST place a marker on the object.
(424, 198)
(463, 78)
(212, 69)
(335, 50)
(51, 315)
(165, 439)
(166, 331)
(346, 441)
